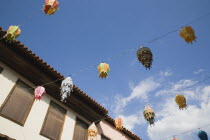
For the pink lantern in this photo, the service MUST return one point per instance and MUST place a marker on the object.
(39, 92)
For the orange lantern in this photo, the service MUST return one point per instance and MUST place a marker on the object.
(188, 34)
(103, 70)
(149, 115)
(92, 132)
(51, 6)
(175, 139)
(181, 101)
(118, 123)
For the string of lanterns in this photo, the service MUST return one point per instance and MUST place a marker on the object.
(144, 56)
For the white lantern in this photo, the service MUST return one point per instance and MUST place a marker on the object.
(66, 88)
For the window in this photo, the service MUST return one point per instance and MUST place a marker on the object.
(54, 120)
(104, 137)
(80, 130)
(1, 69)
(18, 104)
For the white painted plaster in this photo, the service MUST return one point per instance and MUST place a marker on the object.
(110, 131)
(32, 127)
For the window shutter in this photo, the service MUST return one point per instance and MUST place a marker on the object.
(80, 131)
(18, 105)
(54, 122)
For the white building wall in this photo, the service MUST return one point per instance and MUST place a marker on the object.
(32, 127)
(110, 131)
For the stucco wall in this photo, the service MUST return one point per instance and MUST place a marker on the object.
(110, 131)
(35, 119)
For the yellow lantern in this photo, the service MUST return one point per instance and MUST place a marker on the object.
(181, 101)
(13, 32)
(118, 123)
(188, 34)
(103, 70)
(149, 115)
(92, 132)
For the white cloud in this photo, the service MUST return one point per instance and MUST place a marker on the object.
(172, 121)
(140, 91)
(198, 71)
(169, 119)
(166, 73)
(129, 122)
(176, 87)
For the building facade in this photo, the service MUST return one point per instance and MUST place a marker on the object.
(24, 118)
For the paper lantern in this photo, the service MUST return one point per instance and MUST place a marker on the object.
(118, 123)
(188, 34)
(39, 92)
(92, 132)
(202, 135)
(66, 88)
(12, 33)
(181, 101)
(175, 139)
(103, 70)
(51, 6)
(144, 55)
(149, 115)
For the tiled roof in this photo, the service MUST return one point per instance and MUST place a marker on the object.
(124, 130)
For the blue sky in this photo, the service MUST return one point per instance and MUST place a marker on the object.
(84, 33)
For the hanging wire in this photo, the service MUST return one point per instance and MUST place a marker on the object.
(185, 132)
(28, 19)
(196, 83)
(129, 50)
(175, 30)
